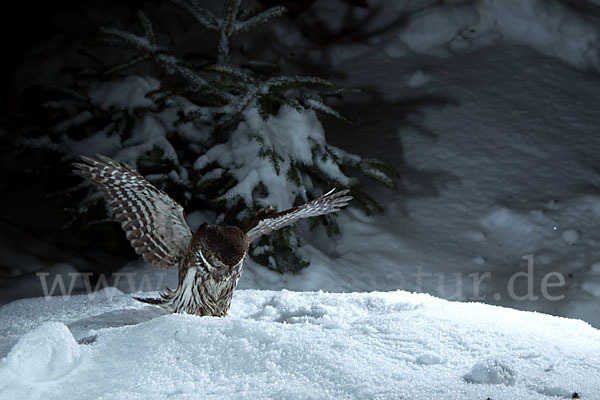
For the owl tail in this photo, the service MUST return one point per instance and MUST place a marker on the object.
(151, 300)
(165, 300)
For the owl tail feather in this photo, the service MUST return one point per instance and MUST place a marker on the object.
(165, 301)
(151, 300)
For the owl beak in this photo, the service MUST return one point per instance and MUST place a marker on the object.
(227, 277)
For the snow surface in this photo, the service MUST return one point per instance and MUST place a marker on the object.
(293, 345)
(551, 27)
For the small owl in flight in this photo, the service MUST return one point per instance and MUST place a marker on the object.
(210, 260)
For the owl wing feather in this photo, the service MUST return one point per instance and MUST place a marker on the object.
(266, 222)
(154, 223)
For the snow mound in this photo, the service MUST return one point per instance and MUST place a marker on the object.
(558, 392)
(417, 78)
(492, 372)
(428, 31)
(48, 352)
(125, 93)
(293, 345)
(571, 236)
(551, 27)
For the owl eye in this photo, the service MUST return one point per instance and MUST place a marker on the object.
(217, 263)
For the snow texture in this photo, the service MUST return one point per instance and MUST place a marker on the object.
(46, 353)
(128, 92)
(548, 26)
(291, 345)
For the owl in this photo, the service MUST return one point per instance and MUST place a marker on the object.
(210, 260)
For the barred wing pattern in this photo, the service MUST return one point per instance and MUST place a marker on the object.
(328, 203)
(153, 222)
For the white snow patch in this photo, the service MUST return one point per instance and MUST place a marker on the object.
(428, 31)
(128, 92)
(491, 372)
(429, 359)
(507, 220)
(417, 78)
(571, 236)
(98, 143)
(396, 49)
(555, 391)
(46, 353)
(592, 288)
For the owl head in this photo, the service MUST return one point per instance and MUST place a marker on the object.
(222, 247)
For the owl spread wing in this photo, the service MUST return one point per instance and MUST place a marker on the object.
(153, 222)
(269, 221)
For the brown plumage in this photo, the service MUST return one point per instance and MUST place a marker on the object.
(210, 260)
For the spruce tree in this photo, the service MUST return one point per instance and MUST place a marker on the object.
(232, 135)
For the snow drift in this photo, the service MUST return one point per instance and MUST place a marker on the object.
(292, 345)
(551, 27)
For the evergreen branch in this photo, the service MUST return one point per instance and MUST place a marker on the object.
(380, 171)
(263, 17)
(204, 114)
(329, 154)
(81, 98)
(339, 93)
(110, 40)
(268, 152)
(263, 67)
(161, 55)
(365, 202)
(318, 105)
(265, 104)
(200, 14)
(295, 104)
(174, 67)
(160, 95)
(228, 119)
(328, 221)
(232, 72)
(294, 175)
(273, 157)
(223, 48)
(230, 13)
(127, 39)
(295, 81)
(249, 99)
(278, 82)
(247, 13)
(231, 87)
(84, 52)
(128, 64)
(147, 26)
(381, 178)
